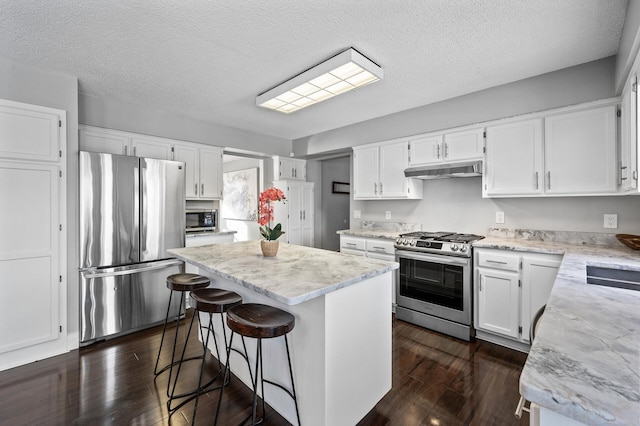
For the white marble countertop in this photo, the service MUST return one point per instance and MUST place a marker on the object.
(296, 274)
(585, 360)
(368, 233)
(206, 234)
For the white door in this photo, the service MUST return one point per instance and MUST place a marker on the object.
(188, 154)
(365, 172)
(426, 150)
(295, 209)
(33, 229)
(151, 148)
(394, 159)
(498, 300)
(102, 140)
(307, 215)
(580, 152)
(464, 145)
(538, 276)
(513, 159)
(210, 173)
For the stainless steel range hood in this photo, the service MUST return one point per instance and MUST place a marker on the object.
(441, 171)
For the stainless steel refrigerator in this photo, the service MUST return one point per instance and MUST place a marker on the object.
(131, 212)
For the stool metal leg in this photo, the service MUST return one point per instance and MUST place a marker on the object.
(164, 329)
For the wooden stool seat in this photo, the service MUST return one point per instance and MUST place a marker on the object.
(214, 300)
(187, 282)
(259, 321)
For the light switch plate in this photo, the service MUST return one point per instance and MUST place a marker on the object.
(499, 217)
(611, 221)
(387, 214)
(356, 214)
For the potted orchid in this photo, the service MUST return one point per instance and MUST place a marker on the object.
(269, 245)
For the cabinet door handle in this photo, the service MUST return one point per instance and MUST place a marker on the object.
(622, 168)
(481, 281)
(536, 181)
(380, 188)
(438, 151)
(499, 262)
(126, 149)
(202, 189)
(375, 189)
(195, 188)
(134, 151)
(548, 180)
(304, 214)
(446, 150)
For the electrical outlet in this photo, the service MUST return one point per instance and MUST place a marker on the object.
(499, 217)
(356, 214)
(611, 220)
(387, 214)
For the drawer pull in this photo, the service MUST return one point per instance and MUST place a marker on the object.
(350, 244)
(380, 248)
(496, 261)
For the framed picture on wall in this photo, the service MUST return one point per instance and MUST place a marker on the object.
(240, 195)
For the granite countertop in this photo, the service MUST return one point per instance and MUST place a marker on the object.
(585, 360)
(295, 275)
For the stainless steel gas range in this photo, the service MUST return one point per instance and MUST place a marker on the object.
(434, 285)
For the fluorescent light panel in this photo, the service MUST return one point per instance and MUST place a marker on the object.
(336, 75)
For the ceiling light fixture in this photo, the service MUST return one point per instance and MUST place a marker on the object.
(338, 74)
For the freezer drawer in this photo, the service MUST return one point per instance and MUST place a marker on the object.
(117, 301)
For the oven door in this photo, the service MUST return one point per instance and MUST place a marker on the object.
(436, 285)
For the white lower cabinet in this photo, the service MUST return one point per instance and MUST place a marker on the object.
(509, 288)
(375, 248)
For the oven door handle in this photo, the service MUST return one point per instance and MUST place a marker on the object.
(447, 260)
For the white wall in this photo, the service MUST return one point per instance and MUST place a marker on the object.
(457, 205)
(21, 83)
(582, 83)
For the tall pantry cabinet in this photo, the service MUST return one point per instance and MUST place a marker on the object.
(33, 306)
(296, 213)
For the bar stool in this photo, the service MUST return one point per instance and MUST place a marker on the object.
(260, 322)
(210, 301)
(177, 283)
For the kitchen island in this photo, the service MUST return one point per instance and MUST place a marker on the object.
(341, 343)
(584, 364)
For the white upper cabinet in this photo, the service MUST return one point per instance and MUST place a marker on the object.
(580, 152)
(464, 145)
(450, 147)
(29, 134)
(513, 162)
(143, 146)
(96, 139)
(568, 152)
(203, 164)
(426, 150)
(378, 172)
(289, 168)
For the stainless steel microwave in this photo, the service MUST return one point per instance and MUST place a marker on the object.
(201, 220)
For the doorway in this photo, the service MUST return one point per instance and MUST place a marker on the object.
(336, 196)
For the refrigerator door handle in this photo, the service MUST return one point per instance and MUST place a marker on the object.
(112, 272)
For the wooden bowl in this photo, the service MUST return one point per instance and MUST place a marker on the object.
(631, 241)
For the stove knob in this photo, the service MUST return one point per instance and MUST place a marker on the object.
(463, 248)
(412, 243)
(454, 247)
(398, 241)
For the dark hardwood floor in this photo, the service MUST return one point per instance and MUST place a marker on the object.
(437, 380)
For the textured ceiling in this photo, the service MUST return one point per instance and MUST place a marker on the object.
(209, 59)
